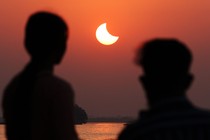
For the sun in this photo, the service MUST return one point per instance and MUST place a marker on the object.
(104, 37)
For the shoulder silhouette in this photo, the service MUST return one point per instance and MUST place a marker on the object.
(36, 103)
(166, 78)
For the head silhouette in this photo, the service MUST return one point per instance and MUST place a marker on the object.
(46, 37)
(166, 65)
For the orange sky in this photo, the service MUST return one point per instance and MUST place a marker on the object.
(104, 77)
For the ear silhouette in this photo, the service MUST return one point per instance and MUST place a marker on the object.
(143, 80)
(188, 81)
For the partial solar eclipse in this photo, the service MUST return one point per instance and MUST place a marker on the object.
(104, 37)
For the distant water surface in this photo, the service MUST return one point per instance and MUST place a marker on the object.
(91, 131)
(99, 131)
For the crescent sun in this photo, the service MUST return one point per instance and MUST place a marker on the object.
(104, 37)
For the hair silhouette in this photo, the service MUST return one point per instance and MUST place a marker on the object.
(164, 57)
(166, 78)
(45, 41)
(46, 33)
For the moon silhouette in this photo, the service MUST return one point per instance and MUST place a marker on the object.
(104, 37)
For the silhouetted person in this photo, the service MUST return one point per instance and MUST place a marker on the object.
(171, 116)
(37, 105)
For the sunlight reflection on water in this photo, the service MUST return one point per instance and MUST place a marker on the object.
(2, 137)
(99, 131)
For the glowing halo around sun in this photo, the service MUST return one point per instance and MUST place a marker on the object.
(104, 37)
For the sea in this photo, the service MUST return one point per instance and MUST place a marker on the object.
(91, 131)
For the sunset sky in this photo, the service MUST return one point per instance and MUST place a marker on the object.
(104, 78)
